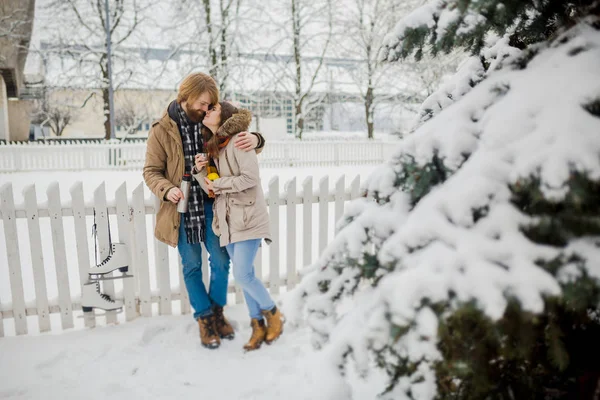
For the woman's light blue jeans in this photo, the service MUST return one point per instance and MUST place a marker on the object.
(242, 256)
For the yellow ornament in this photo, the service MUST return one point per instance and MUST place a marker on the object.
(212, 176)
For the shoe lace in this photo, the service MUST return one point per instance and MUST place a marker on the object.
(106, 260)
(111, 246)
(219, 317)
(209, 325)
(103, 295)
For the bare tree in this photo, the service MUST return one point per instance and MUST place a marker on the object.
(58, 119)
(365, 24)
(302, 12)
(131, 115)
(58, 114)
(300, 33)
(79, 38)
(209, 29)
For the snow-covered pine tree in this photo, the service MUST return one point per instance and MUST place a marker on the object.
(471, 269)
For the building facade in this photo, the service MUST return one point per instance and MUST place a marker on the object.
(16, 25)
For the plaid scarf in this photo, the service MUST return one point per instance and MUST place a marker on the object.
(191, 137)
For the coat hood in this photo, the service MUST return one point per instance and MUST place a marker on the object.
(239, 122)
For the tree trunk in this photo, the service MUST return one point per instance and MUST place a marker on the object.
(105, 100)
(298, 99)
(299, 119)
(106, 113)
(369, 111)
(370, 96)
(212, 52)
(224, 25)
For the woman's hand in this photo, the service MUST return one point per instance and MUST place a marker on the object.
(200, 162)
(209, 184)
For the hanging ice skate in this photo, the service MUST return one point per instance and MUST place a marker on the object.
(92, 298)
(117, 259)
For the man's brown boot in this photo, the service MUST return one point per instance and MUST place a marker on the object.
(224, 328)
(208, 332)
(275, 320)
(258, 334)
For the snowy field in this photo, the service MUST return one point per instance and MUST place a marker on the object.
(161, 358)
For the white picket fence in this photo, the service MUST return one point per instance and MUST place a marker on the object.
(67, 225)
(35, 156)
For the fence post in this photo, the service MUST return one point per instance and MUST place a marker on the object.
(103, 242)
(141, 248)
(37, 258)
(323, 212)
(355, 188)
(287, 160)
(161, 263)
(290, 190)
(125, 228)
(336, 154)
(274, 267)
(81, 243)
(7, 206)
(60, 255)
(183, 293)
(339, 200)
(86, 157)
(307, 205)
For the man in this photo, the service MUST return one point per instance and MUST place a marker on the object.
(173, 142)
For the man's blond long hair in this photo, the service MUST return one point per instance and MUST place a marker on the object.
(194, 85)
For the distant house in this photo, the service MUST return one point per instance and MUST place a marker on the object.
(15, 34)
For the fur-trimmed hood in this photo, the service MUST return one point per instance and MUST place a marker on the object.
(239, 122)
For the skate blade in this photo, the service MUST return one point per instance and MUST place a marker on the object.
(92, 278)
(104, 313)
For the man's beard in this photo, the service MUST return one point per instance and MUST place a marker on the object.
(195, 116)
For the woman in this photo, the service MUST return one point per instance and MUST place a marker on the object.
(240, 219)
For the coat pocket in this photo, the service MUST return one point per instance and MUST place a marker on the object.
(240, 211)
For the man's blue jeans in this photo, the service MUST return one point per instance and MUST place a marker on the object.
(218, 261)
(242, 256)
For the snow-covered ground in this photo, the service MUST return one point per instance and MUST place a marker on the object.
(158, 357)
(161, 358)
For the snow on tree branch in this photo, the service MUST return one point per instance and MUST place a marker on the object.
(400, 265)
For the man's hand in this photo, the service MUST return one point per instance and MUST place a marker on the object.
(174, 195)
(246, 141)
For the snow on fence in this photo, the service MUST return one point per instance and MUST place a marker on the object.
(65, 226)
(32, 156)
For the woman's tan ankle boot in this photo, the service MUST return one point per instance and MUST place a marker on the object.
(258, 334)
(275, 320)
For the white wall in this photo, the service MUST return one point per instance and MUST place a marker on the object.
(3, 111)
(270, 128)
